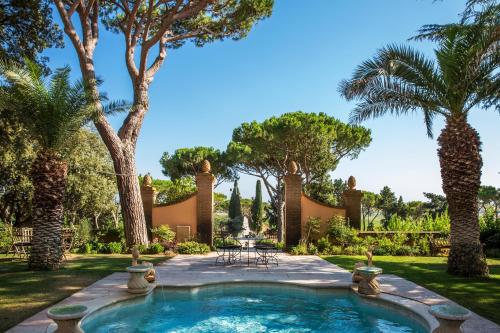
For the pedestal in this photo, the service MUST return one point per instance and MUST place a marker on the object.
(369, 284)
(67, 317)
(137, 284)
(450, 317)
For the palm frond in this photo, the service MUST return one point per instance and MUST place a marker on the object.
(397, 80)
(115, 107)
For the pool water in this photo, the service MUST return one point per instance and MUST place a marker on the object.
(252, 308)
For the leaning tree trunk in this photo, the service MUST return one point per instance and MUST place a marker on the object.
(129, 191)
(460, 160)
(49, 180)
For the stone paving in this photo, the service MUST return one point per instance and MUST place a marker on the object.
(310, 271)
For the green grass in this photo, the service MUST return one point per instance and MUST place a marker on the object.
(481, 295)
(24, 293)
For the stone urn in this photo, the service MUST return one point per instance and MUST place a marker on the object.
(67, 317)
(450, 317)
(137, 284)
(369, 284)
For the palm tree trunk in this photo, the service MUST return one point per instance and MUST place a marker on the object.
(460, 159)
(49, 179)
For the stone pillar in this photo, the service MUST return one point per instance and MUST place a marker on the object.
(148, 195)
(352, 203)
(205, 203)
(293, 209)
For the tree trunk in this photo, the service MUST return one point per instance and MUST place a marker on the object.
(49, 179)
(460, 160)
(134, 222)
(280, 207)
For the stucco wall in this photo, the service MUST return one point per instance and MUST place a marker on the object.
(179, 214)
(312, 208)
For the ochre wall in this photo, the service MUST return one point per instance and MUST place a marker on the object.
(183, 213)
(312, 208)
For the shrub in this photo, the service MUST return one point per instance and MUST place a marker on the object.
(335, 250)
(264, 241)
(405, 250)
(300, 249)
(192, 247)
(323, 244)
(83, 233)
(87, 248)
(142, 248)
(280, 245)
(313, 249)
(163, 233)
(5, 237)
(340, 233)
(110, 235)
(311, 229)
(114, 247)
(155, 248)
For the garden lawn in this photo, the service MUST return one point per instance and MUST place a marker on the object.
(24, 293)
(481, 295)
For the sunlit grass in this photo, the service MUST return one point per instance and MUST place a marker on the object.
(480, 295)
(24, 293)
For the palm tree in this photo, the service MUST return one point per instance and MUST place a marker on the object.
(401, 80)
(52, 111)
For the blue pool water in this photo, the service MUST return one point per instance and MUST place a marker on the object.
(251, 308)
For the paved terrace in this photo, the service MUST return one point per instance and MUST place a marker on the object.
(309, 271)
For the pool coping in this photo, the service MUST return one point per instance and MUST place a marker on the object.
(302, 271)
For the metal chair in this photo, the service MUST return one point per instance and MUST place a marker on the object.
(228, 250)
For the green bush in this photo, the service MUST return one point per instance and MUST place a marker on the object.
(5, 238)
(300, 249)
(192, 247)
(142, 248)
(340, 233)
(335, 250)
(323, 244)
(83, 234)
(114, 247)
(163, 233)
(313, 249)
(155, 248)
(280, 245)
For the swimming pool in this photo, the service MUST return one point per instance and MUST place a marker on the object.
(252, 308)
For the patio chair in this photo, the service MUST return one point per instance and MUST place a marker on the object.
(266, 254)
(21, 242)
(228, 250)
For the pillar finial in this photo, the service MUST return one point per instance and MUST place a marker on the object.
(206, 167)
(351, 183)
(292, 168)
(147, 181)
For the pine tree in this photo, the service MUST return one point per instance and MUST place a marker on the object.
(235, 202)
(257, 209)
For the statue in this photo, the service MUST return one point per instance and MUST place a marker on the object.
(150, 273)
(369, 256)
(135, 256)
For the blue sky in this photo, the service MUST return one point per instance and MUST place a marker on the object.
(292, 61)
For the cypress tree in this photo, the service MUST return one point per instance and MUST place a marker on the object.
(257, 209)
(234, 202)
